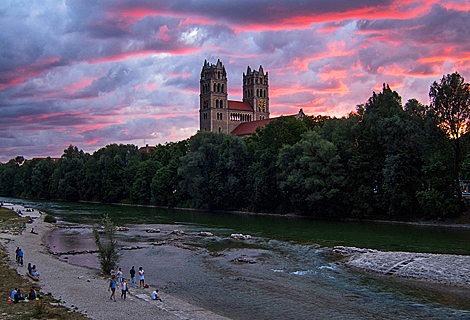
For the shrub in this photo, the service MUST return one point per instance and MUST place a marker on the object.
(50, 218)
(107, 251)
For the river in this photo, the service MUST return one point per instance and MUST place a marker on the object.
(285, 271)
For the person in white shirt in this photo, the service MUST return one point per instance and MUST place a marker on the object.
(119, 277)
(141, 277)
(124, 289)
(155, 295)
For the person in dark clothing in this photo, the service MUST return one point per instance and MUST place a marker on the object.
(132, 272)
(18, 296)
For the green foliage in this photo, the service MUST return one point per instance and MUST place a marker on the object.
(49, 218)
(107, 250)
(311, 175)
(450, 106)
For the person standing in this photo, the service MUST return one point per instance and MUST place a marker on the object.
(112, 287)
(119, 277)
(132, 272)
(124, 289)
(141, 277)
(20, 257)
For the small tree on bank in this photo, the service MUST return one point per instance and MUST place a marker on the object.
(107, 251)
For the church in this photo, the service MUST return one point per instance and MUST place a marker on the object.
(218, 114)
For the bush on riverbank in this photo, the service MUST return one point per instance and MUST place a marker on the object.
(107, 251)
(50, 218)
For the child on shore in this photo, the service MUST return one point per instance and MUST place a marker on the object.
(124, 289)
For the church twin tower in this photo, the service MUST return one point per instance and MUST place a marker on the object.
(217, 113)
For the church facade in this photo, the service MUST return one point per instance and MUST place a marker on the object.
(217, 113)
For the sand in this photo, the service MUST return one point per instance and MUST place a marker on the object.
(83, 289)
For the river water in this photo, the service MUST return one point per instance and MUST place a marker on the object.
(284, 272)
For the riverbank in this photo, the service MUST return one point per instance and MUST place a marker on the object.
(435, 268)
(83, 289)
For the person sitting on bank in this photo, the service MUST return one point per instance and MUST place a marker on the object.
(32, 294)
(18, 296)
(155, 295)
(34, 272)
(13, 293)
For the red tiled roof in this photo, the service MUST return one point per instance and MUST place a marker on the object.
(44, 158)
(147, 148)
(246, 128)
(239, 105)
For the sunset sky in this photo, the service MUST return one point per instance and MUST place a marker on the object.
(95, 72)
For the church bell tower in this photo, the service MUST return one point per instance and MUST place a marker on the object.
(213, 104)
(256, 92)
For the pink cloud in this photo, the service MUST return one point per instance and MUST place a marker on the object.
(144, 53)
(162, 33)
(20, 74)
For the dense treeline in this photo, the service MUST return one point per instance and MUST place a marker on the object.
(385, 160)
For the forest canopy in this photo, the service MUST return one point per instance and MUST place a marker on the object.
(386, 160)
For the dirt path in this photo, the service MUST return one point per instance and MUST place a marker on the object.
(84, 290)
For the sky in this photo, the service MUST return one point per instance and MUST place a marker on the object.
(89, 73)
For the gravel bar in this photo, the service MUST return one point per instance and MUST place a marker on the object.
(83, 289)
(436, 268)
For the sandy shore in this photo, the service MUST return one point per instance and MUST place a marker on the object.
(436, 268)
(84, 290)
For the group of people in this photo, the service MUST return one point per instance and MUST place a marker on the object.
(17, 296)
(121, 282)
(19, 260)
(117, 281)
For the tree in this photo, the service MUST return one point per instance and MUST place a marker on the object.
(311, 175)
(107, 251)
(196, 168)
(450, 104)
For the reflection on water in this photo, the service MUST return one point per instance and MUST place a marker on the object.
(284, 272)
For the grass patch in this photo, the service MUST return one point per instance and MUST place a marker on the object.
(9, 279)
(10, 220)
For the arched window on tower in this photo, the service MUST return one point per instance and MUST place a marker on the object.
(215, 87)
(218, 87)
(221, 104)
(220, 129)
(222, 89)
(217, 104)
(257, 92)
